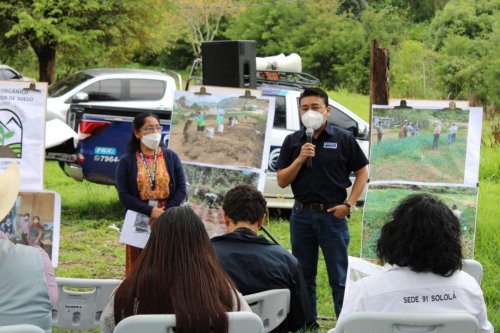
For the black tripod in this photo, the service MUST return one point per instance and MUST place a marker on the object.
(268, 234)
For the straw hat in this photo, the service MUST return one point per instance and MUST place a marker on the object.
(9, 189)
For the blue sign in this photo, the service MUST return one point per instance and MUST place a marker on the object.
(105, 151)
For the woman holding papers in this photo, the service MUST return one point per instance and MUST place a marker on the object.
(149, 177)
(177, 273)
(421, 242)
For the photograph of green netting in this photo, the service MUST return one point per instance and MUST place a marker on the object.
(382, 198)
(419, 145)
(207, 188)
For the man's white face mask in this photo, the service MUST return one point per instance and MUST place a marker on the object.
(152, 141)
(313, 119)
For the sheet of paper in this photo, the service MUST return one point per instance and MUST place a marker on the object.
(135, 230)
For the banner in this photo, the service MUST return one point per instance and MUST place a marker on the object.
(22, 130)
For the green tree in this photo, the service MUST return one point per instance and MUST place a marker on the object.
(466, 36)
(271, 24)
(420, 10)
(411, 70)
(202, 18)
(90, 29)
(472, 19)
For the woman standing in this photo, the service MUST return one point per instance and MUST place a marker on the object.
(177, 273)
(35, 234)
(149, 177)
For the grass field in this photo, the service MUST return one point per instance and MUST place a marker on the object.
(89, 248)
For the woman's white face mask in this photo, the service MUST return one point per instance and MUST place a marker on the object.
(152, 141)
(313, 119)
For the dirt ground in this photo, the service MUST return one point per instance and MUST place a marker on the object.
(239, 145)
(212, 219)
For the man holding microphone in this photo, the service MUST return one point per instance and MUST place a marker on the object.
(317, 161)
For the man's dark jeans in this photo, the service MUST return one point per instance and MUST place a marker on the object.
(309, 230)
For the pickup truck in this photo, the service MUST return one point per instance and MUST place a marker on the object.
(102, 129)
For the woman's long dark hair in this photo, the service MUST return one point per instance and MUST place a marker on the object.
(422, 234)
(178, 273)
(134, 143)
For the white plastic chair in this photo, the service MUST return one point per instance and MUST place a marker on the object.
(239, 322)
(384, 322)
(81, 310)
(272, 306)
(473, 268)
(21, 329)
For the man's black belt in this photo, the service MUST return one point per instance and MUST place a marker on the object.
(317, 207)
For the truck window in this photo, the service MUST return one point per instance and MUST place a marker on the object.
(340, 119)
(280, 112)
(147, 90)
(104, 90)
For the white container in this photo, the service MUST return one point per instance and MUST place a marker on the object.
(209, 132)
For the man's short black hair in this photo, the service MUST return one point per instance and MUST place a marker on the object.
(422, 234)
(244, 203)
(314, 92)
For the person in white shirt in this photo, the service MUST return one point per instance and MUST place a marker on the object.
(421, 241)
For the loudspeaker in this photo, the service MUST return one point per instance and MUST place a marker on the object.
(229, 63)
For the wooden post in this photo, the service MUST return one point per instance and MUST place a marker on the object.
(379, 77)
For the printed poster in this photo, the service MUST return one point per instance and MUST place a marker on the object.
(22, 130)
(207, 188)
(229, 127)
(424, 149)
(35, 220)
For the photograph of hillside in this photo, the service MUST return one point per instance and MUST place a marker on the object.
(220, 129)
(419, 145)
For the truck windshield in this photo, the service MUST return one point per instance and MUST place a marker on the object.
(61, 87)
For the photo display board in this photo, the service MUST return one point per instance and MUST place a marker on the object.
(35, 220)
(425, 149)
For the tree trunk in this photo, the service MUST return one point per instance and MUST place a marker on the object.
(379, 75)
(46, 55)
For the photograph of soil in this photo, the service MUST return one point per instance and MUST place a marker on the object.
(381, 199)
(419, 145)
(219, 130)
(207, 187)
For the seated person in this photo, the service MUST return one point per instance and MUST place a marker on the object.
(254, 263)
(422, 243)
(27, 282)
(176, 273)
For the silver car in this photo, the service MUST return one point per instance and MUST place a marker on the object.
(9, 73)
(118, 87)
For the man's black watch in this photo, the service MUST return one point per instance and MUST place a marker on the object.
(349, 206)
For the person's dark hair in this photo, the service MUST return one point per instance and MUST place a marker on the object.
(422, 234)
(178, 273)
(314, 92)
(244, 203)
(134, 143)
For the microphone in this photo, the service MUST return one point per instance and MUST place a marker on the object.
(309, 134)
